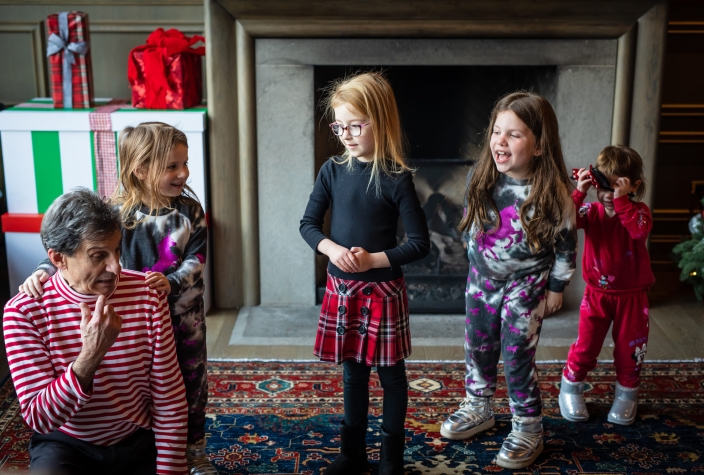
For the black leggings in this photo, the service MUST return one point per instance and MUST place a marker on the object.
(356, 393)
(59, 454)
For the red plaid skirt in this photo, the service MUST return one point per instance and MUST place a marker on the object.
(364, 321)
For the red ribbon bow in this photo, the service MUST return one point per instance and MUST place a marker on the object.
(160, 45)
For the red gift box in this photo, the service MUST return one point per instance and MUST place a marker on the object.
(68, 49)
(166, 72)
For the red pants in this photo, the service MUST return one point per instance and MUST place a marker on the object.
(629, 313)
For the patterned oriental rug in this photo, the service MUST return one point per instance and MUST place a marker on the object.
(271, 417)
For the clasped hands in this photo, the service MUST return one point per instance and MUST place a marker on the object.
(355, 259)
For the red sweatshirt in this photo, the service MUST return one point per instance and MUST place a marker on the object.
(615, 256)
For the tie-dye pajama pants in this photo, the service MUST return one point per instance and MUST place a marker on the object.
(505, 317)
(191, 351)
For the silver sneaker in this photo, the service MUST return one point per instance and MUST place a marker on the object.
(523, 444)
(198, 463)
(473, 416)
(623, 410)
(572, 406)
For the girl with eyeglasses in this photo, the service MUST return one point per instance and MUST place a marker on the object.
(364, 316)
(522, 241)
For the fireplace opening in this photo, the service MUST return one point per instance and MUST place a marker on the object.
(444, 111)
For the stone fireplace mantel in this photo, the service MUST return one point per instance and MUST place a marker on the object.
(260, 63)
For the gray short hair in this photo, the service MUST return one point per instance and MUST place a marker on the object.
(77, 216)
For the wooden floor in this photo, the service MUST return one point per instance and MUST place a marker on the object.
(676, 332)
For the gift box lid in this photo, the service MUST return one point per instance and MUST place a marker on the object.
(21, 222)
(39, 115)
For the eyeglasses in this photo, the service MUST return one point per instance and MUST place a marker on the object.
(355, 130)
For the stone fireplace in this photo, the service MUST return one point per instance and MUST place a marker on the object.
(572, 74)
(604, 60)
(443, 110)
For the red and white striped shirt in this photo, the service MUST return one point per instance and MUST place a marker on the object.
(138, 383)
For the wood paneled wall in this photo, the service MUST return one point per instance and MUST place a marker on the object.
(678, 184)
(116, 26)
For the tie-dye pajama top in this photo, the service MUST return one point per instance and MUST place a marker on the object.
(506, 297)
(505, 254)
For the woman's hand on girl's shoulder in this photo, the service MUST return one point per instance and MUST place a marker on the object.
(158, 281)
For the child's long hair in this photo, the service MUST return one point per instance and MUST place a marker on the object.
(547, 173)
(620, 160)
(145, 147)
(371, 95)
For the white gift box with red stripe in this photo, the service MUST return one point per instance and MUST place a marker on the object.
(47, 152)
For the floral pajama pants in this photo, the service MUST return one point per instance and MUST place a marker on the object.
(191, 352)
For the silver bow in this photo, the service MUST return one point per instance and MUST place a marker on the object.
(59, 42)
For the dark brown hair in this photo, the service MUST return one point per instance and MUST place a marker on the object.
(622, 161)
(548, 177)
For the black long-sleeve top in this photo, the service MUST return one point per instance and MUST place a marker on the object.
(361, 218)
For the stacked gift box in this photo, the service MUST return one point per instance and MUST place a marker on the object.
(48, 151)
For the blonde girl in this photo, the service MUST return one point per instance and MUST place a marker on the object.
(364, 315)
(522, 239)
(164, 235)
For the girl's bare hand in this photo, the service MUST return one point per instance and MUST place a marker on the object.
(34, 285)
(553, 302)
(344, 259)
(158, 281)
(365, 259)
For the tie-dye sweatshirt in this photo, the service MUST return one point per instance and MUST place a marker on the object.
(172, 242)
(506, 255)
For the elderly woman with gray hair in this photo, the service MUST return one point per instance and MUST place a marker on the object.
(93, 358)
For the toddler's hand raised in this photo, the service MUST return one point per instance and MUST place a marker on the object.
(623, 187)
(584, 180)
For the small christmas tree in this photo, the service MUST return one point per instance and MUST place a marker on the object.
(690, 255)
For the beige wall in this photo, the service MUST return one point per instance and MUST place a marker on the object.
(116, 26)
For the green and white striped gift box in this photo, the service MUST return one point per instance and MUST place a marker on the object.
(47, 151)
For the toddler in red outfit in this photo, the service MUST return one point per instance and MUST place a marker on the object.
(616, 268)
